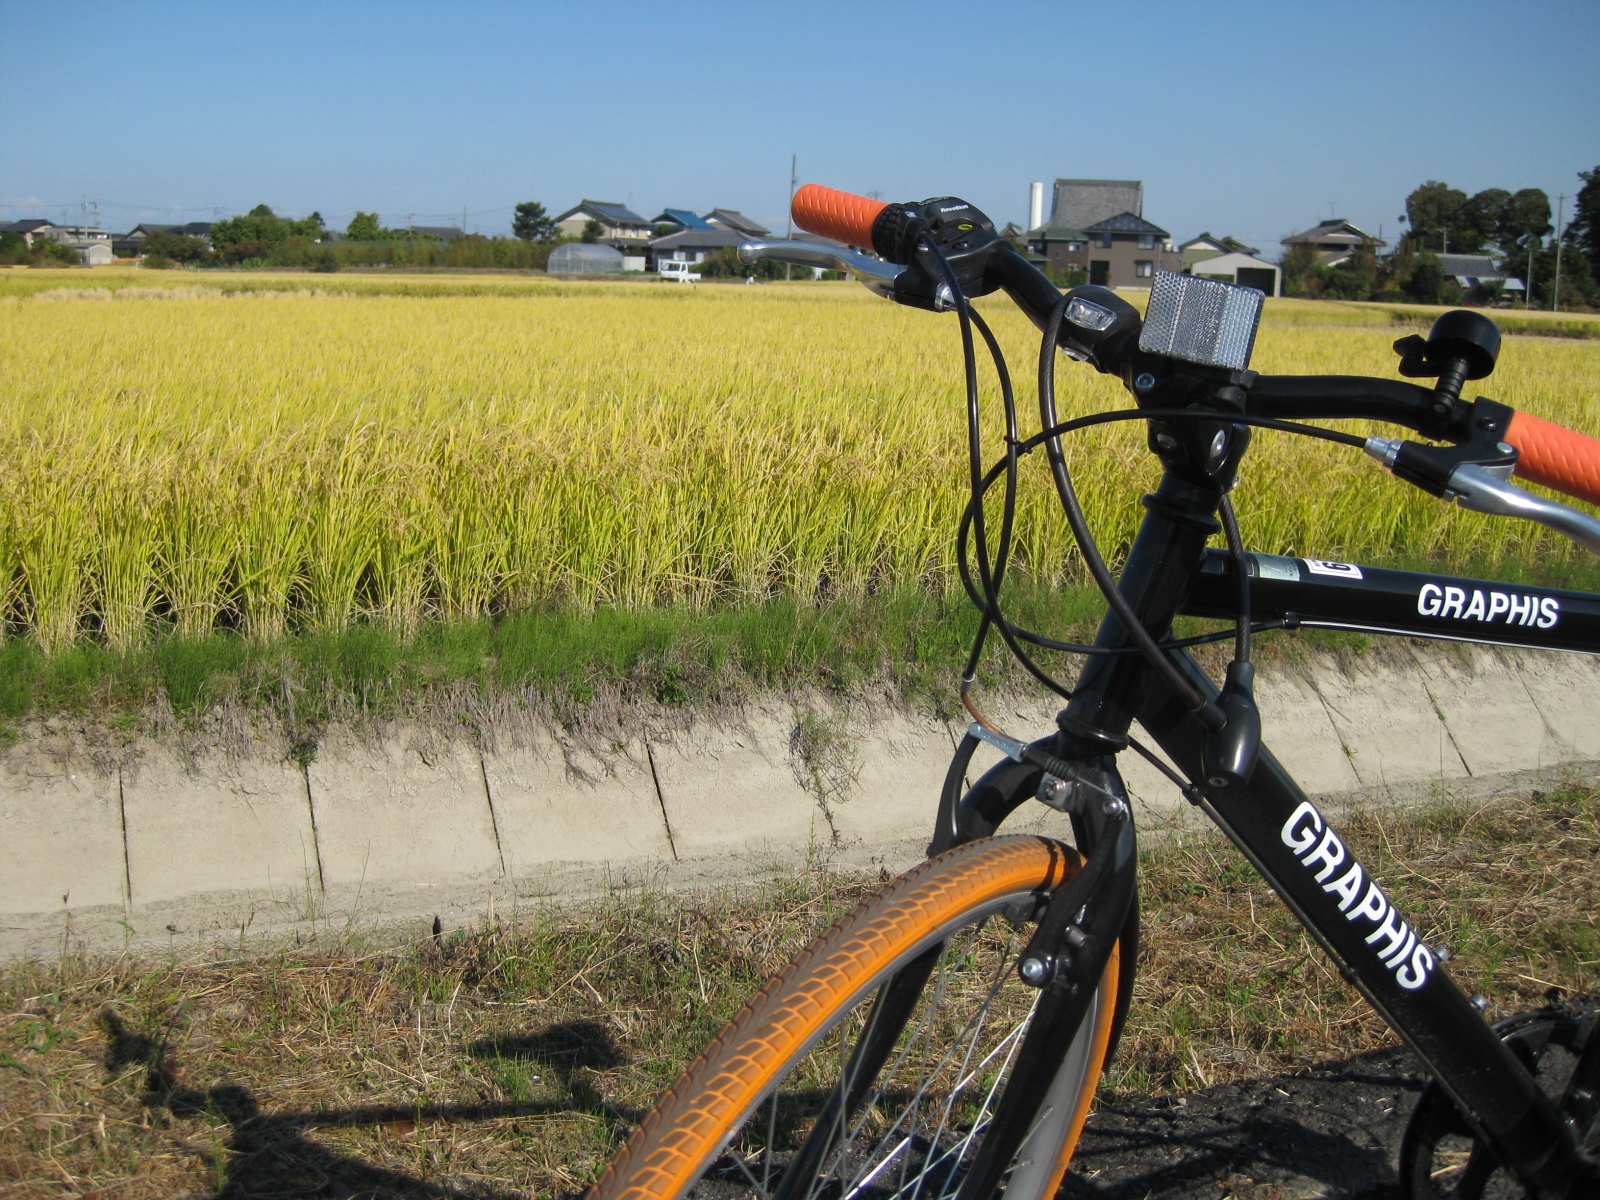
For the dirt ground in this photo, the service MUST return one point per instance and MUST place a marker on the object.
(510, 1060)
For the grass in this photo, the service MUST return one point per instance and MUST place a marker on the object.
(259, 452)
(910, 641)
(509, 1059)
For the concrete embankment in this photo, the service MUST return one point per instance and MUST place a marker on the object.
(187, 843)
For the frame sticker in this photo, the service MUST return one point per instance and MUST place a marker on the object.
(1309, 837)
(1275, 566)
(1338, 570)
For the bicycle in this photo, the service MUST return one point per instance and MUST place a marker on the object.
(946, 1038)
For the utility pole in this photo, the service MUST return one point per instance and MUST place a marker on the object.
(1555, 292)
(408, 221)
(788, 231)
(1527, 284)
(463, 220)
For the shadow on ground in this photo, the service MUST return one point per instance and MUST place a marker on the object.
(1333, 1131)
(272, 1156)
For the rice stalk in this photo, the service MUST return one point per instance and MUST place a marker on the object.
(408, 448)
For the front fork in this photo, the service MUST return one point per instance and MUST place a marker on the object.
(1290, 842)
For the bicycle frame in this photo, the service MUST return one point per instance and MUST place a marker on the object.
(943, 249)
(1270, 819)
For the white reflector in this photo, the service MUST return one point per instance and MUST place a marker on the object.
(1201, 321)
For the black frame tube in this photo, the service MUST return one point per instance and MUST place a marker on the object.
(1293, 845)
(1406, 603)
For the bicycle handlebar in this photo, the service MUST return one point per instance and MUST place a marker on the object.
(1558, 458)
(842, 216)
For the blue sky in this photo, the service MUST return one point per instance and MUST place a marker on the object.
(1253, 119)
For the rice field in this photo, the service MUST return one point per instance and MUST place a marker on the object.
(289, 453)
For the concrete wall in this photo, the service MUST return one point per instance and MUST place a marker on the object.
(175, 842)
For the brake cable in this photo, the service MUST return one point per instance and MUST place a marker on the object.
(973, 527)
(964, 531)
(1205, 711)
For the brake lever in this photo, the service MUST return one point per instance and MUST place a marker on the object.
(877, 276)
(1472, 486)
(1484, 488)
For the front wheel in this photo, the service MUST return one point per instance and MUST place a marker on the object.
(871, 1065)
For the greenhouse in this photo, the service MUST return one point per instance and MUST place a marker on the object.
(581, 258)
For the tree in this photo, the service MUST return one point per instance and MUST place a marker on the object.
(1586, 219)
(1479, 221)
(1524, 223)
(1434, 211)
(593, 231)
(1303, 275)
(45, 252)
(1427, 280)
(260, 224)
(364, 227)
(175, 247)
(532, 224)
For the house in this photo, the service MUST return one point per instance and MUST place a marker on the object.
(29, 229)
(1332, 242)
(443, 233)
(1098, 226)
(681, 217)
(736, 222)
(691, 245)
(1245, 269)
(1474, 271)
(1205, 246)
(618, 222)
(1126, 251)
(1079, 203)
(131, 244)
(92, 243)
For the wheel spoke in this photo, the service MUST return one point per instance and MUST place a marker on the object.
(880, 1052)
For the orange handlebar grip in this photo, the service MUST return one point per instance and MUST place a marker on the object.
(1559, 458)
(842, 216)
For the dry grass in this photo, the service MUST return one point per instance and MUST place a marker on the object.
(508, 1060)
(267, 454)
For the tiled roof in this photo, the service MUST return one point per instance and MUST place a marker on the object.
(1336, 230)
(734, 219)
(1477, 266)
(615, 214)
(1125, 222)
(1079, 203)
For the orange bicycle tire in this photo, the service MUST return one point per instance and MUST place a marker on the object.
(694, 1121)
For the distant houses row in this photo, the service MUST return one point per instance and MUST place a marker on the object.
(676, 238)
(671, 243)
(1098, 226)
(97, 246)
(1095, 226)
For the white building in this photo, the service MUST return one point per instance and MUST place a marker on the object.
(1243, 269)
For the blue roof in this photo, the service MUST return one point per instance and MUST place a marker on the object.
(682, 216)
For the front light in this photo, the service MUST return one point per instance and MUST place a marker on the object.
(1086, 314)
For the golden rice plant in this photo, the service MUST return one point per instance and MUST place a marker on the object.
(263, 452)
